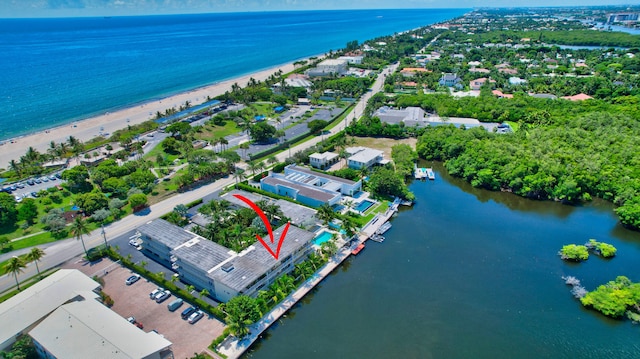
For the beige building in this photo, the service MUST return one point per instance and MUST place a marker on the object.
(88, 329)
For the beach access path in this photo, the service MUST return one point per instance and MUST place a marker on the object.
(109, 122)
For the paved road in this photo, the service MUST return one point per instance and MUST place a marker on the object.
(62, 251)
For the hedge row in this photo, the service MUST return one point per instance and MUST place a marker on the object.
(164, 283)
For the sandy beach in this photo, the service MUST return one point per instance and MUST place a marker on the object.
(89, 128)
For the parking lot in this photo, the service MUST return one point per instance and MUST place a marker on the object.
(133, 300)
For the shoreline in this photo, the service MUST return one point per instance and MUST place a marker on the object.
(131, 114)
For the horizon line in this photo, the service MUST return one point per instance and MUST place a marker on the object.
(474, 8)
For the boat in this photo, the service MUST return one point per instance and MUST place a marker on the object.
(357, 250)
(377, 238)
(430, 174)
(385, 227)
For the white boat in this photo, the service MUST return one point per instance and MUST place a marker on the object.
(385, 227)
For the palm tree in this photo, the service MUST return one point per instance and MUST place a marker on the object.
(244, 146)
(325, 213)
(34, 256)
(15, 266)
(203, 293)
(15, 167)
(78, 228)
(239, 175)
(190, 288)
(223, 142)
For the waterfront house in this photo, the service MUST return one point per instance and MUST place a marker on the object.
(309, 187)
(363, 157)
(221, 271)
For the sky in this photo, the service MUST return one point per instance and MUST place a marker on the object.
(67, 8)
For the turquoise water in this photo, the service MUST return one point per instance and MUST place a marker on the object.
(364, 205)
(323, 237)
(55, 71)
(467, 273)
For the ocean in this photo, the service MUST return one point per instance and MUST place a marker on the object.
(56, 71)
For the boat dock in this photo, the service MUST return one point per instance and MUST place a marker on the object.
(234, 348)
(423, 172)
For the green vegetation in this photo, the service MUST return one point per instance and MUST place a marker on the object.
(574, 253)
(384, 182)
(615, 298)
(23, 348)
(404, 158)
(572, 37)
(604, 250)
(569, 161)
(242, 311)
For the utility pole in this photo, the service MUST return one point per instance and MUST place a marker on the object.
(104, 235)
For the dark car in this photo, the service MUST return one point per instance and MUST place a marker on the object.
(34, 194)
(187, 312)
(31, 182)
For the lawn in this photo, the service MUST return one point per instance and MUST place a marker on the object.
(514, 125)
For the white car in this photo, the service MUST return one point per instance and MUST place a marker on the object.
(134, 278)
(155, 292)
(195, 316)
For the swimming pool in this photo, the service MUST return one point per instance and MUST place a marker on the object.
(322, 237)
(364, 205)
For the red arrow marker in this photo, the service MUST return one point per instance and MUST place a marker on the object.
(264, 219)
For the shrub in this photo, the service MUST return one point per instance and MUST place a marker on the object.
(574, 252)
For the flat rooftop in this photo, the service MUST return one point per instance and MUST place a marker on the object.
(307, 171)
(170, 235)
(305, 190)
(203, 253)
(365, 155)
(255, 261)
(300, 215)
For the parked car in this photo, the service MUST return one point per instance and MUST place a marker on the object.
(134, 242)
(58, 175)
(20, 185)
(131, 320)
(38, 180)
(174, 305)
(134, 278)
(187, 312)
(53, 178)
(18, 198)
(161, 297)
(155, 292)
(31, 182)
(44, 179)
(195, 317)
(34, 194)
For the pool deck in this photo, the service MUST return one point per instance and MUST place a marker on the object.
(235, 348)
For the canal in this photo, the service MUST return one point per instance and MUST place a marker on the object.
(466, 273)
